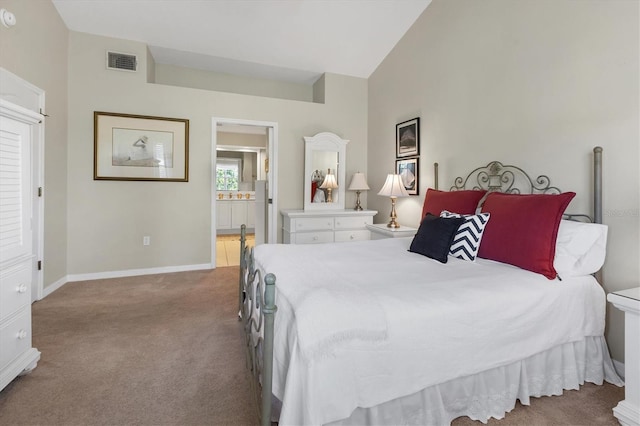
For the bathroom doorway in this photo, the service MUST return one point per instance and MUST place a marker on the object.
(243, 186)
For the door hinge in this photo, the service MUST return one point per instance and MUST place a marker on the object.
(270, 201)
(39, 191)
(39, 265)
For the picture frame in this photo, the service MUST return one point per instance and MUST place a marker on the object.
(140, 147)
(408, 138)
(409, 171)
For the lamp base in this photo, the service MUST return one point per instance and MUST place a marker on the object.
(358, 207)
(392, 223)
(329, 197)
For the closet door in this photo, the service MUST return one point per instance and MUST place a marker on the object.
(15, 186)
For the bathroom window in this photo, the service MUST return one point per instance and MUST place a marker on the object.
(227, 174)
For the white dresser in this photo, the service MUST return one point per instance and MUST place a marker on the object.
(16, 353)
(327, 226)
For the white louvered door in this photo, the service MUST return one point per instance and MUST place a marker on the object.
(15, 190)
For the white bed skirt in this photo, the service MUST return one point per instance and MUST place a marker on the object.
(493, 393)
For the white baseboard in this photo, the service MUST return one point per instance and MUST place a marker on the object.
(53, 287)
(619, 366)
(119, 274)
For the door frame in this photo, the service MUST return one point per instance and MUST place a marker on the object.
(18, 91)
(272, 188)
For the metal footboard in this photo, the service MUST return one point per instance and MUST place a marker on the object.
(257, 308)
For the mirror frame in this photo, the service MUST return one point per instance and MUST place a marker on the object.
(325, 141)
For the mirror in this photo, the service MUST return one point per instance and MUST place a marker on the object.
(324, 167)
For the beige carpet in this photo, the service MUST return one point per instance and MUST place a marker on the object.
(168, 350)
(152, 350)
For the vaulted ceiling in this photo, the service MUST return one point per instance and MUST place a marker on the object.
(289, 40)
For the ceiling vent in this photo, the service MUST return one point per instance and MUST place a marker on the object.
(122, 61)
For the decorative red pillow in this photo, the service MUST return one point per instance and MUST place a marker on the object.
(461, 202)
(523, 229)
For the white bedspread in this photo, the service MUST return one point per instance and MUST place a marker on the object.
(415, 322)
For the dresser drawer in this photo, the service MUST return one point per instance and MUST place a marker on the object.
(353, 222)
(15, 289)
(313, 224)
(354, 235)
(15, 337)
(313, 237)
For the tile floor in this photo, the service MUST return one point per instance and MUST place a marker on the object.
(228, 249)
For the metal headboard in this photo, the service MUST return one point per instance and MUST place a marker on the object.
(496, 176)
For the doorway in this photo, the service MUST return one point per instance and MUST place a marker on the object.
(244, 173)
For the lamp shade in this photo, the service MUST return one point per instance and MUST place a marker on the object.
(393, 187)
(329, 182)
(358, 183)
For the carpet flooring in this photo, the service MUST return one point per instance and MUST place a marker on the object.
(151, 350)
(168, 350)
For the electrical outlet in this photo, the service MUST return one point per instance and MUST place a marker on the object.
(146, 240)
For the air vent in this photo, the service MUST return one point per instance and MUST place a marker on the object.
(122, 61)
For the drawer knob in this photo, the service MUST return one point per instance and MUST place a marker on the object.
(21, 335)
(351, 237)
(21, 288)
(315, 238)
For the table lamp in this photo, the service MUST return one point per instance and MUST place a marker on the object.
(358, 184)
(329, 184)
(393, 188)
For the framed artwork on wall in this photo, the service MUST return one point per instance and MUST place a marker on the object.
(140, 147)
(409, 171)
(408, 138)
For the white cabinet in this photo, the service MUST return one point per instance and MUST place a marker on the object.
(16, 255)
(238, 213)
(628, 411)
(304, 227)
(231, 214)
(223, 215)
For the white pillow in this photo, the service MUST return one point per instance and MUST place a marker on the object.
(580, 248)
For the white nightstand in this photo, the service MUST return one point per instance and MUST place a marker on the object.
(380, 231)
(628, 411)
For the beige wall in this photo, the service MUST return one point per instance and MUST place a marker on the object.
(199, 79)
(109, 218)
(242, 139)
(535, 83)
(35, 49)
(151, 67)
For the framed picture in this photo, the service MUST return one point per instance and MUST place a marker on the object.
(140, 147)
(408, 138)
(409, 171)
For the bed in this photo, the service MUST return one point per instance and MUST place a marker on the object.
(384, 332)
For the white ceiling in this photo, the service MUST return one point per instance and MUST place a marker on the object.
(291, 40)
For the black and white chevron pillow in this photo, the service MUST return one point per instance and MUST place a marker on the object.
(467, 239)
